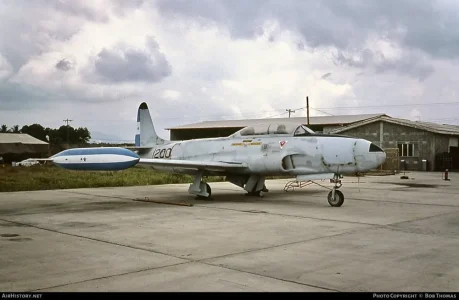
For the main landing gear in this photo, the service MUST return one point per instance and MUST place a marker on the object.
(200, 188)
(255, 186)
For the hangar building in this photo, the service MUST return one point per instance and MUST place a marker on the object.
(421, 145)
(20, 146)
(222, 128)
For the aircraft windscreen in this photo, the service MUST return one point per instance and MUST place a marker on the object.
(303, 131)
(308, 129)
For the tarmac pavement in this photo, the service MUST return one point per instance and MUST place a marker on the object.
(391, 234)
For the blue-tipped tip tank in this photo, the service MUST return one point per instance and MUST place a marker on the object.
(96, 159)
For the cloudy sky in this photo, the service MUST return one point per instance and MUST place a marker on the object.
(95, 61)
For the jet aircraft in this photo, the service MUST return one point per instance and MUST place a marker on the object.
(245, 158)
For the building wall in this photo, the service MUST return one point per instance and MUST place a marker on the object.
(426, 144)
(16, 151)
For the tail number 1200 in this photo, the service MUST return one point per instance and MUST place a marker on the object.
(162, 153)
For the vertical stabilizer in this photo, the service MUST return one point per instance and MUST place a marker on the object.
(146, 135)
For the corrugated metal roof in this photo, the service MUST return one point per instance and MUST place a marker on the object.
(11, 138)
(319, 120)
(428, 126)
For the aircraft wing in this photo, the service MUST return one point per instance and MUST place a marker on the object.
(39, 159)
(192, 164)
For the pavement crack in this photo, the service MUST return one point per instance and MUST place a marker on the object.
(273, 277)
(420, 219)
(351, 231)
(110, 276)
(287, 215)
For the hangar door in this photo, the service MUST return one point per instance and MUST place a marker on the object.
(454, 151)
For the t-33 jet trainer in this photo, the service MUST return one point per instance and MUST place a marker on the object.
(245, 158)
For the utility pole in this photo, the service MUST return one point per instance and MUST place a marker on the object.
(289, 111)
(68, 139)
(307, 109)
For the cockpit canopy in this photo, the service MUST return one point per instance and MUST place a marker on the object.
(289, 129)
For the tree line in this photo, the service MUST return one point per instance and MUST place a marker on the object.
(62, 135)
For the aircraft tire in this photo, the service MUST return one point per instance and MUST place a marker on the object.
(208, 190)
(339, 199)
(255, 194)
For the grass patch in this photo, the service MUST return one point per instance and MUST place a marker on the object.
(50, 177)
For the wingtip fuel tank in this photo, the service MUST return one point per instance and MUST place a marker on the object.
(96, 159)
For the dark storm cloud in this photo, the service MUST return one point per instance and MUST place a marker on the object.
(28, 28)
(63, 65)
(412, 64)
(128, 65)
(423, 24)
(78, 8)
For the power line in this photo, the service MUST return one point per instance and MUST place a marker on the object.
(390, 105)
(321, 111)
(251, 115)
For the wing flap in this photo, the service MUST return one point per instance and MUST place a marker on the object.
(193, 164)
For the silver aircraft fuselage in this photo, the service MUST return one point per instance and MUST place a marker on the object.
(276, 155)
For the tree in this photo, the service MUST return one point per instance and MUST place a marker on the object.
(64, 134)
(83, 135)
(35, 130)
(15, 129)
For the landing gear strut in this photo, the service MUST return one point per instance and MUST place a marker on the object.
(336, 197)
(200, 188)
(255, 186)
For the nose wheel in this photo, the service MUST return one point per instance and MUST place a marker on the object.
(336, 197)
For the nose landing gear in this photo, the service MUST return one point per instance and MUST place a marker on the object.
(336, 197)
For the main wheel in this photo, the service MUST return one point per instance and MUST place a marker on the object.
(255, 194)
(208, 190)
(339, 199)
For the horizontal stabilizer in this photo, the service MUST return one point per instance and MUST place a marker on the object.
(312, 177)
(138, 148)
(202, 165)
(39, 159)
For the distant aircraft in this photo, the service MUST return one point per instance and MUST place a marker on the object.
(245, 158)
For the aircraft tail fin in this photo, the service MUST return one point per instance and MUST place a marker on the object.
(146, 135)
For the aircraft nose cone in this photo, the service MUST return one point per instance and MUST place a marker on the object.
(382, 157)
(368, 155)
